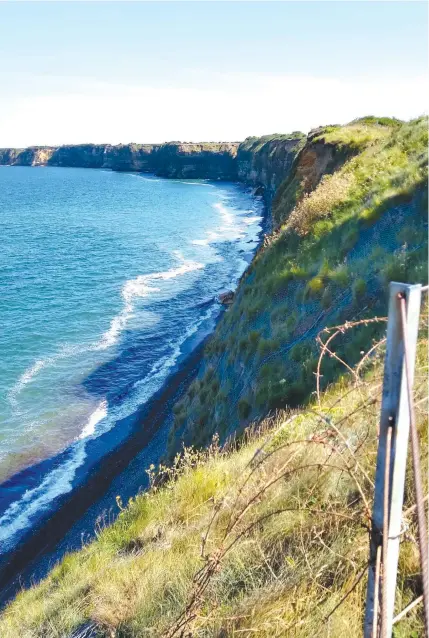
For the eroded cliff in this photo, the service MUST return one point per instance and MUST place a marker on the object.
(208, 160)
(349, 217)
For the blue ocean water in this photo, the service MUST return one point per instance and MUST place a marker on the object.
(105, 280)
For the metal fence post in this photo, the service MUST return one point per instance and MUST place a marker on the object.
(394, 423)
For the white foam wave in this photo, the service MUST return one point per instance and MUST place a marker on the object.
(251, 220)
(25, 378)
(163, 366)
(29, 374)
(142, 286)
(99, 413)
(225, 212)
(57, 482)
(145, 179)
(231, 228)
(139, 287)
(181, 181)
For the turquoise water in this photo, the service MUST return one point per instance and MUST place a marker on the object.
(105, 279)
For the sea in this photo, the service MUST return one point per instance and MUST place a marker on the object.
(107, 281)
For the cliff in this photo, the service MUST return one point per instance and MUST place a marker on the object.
(349, 216)
(264, 162)
(209, 160)
(268, 536)
(270, 539)
(258, 162)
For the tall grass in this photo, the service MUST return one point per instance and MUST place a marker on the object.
(267, 538)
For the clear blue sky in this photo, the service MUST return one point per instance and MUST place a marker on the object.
(116, 71)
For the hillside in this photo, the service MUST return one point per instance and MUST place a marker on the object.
(258, 522)
(258, 162)
(350, 216)
(267, 539)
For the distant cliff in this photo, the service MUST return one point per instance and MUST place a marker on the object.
(208, 160)
(259, 162)
(264, 162)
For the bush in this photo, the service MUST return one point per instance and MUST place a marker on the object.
(315, 286)
(300, 352)
(254, 337)
(359, 289)
(242, 345)
(215, 385)
(193, 389)
(244, 408)
(340, 276)
(326, 300)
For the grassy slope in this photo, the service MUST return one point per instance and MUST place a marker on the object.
(265, 571)
(271, 536)
(336, 248)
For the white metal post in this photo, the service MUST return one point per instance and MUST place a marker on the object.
(395, 414)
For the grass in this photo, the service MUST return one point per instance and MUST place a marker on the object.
(330, 259)
(267, 538)
(358, 134)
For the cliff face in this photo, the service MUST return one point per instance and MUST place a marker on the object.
(264, 162)
(209, 161)
(259, 162)
(31, 156)
(350, 216)
(175, 159)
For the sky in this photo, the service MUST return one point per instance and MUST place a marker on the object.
(119, 72)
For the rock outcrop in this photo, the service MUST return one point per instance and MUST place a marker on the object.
(264, 162)
(175, 159)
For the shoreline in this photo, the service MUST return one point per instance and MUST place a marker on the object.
(41, 548)
(17, 566)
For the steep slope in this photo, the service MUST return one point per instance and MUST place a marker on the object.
(351, 216)
(264, 162)
(175, 159)
(270, 539)
(259, 162)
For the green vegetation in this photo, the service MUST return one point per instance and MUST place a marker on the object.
(275, 526)
(256, 144)
(341, 238)
(358, 134)
(269, 538)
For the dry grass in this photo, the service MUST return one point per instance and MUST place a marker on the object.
(268, 539)
(320, 203)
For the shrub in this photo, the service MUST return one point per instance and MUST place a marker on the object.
(178, 407)
(203, 395)
(193, 388)
(244, 408)
(326, 300)
(300, 352)
(254, 337)
(359, 289)
(242, 345)
(340, 275)
(315, 286)
(298, 272)
(215, 385)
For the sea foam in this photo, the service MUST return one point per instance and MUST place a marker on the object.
(142, 286)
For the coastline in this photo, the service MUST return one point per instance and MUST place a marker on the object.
(76, 514)
(18, 567)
